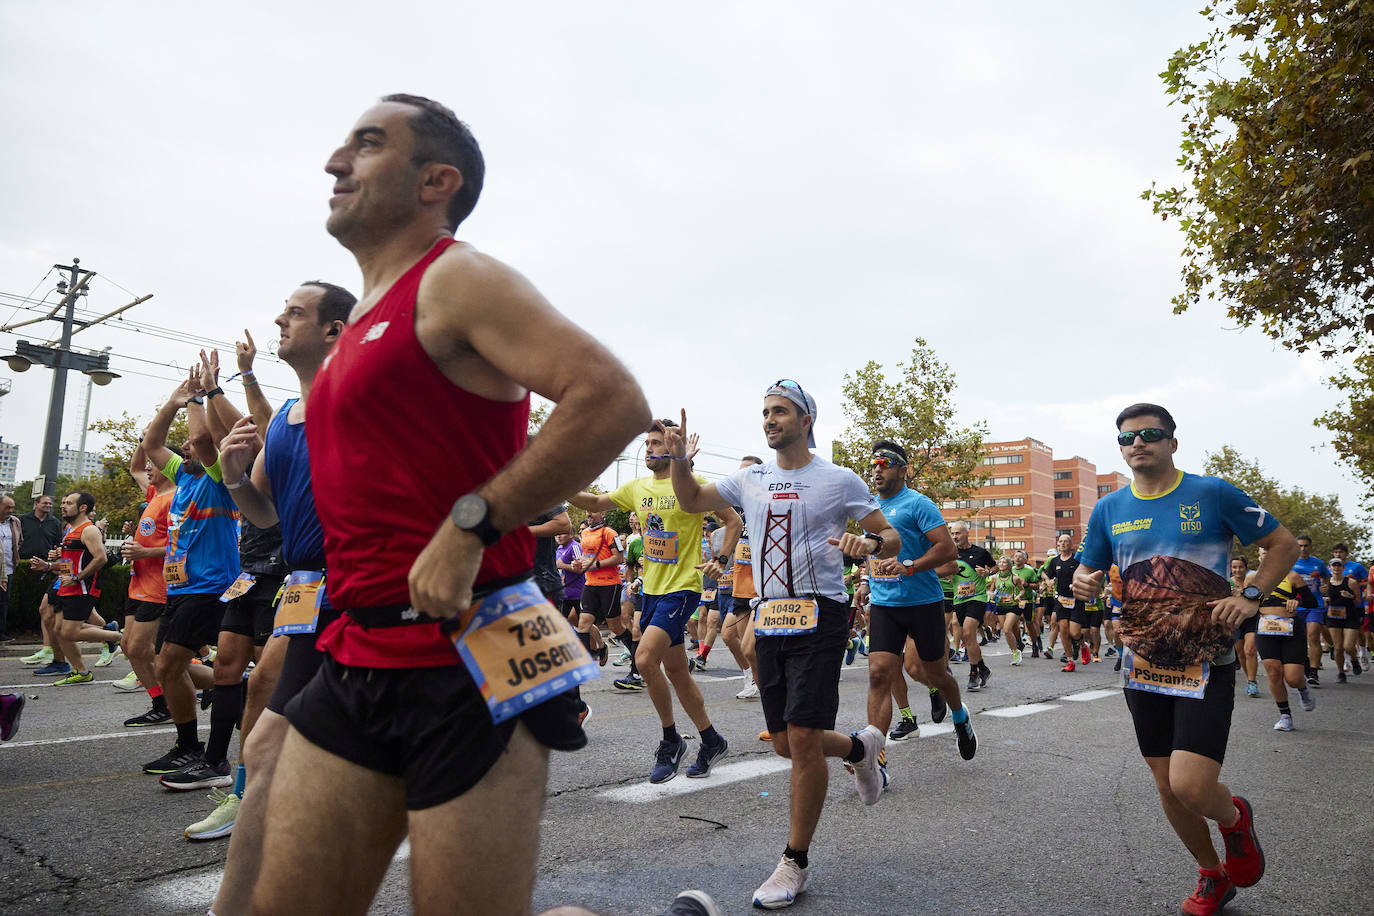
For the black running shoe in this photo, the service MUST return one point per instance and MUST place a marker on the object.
(906, 729)
(938, 707)
(151, 717)
(973, 680)
(1117, 666)
(178, 758)
(207, 698)
(1355, 665)
(602, 655)
(984, 672)
(200, 775)
(968, 741)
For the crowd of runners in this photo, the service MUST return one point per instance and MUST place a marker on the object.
(416, 683)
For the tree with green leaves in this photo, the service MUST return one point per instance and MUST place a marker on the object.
(917, 410)
(1278, 152)
(1352, 422)
(1303, 513)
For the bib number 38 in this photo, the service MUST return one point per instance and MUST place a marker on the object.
(520, 651)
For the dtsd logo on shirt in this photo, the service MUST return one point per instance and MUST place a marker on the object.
(1192, 517)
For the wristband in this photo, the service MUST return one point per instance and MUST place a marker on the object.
(249, 380)
(242, 483)
(209, 395)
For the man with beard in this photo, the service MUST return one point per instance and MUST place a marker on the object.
(1171, 535)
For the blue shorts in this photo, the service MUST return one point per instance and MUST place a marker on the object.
(1311, 615)
(669, 613)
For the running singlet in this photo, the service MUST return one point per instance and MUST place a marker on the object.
(77, 556)
(791, 515)
(1314, 571)
(287, 464)
(671, 537)
(145, 576)
(1174, 552)
(379, 395)
(912, 514)
(599, 544)
(969, 585)
(202, 533)
(572, 581)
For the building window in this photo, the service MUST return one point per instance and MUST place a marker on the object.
(1103, 491)
(1012, 545)
(1009, 523)
(1063, 475)
(1063, 494)
(1068, 531)
(1003, 459)
(1063, 513)
(1004, 481)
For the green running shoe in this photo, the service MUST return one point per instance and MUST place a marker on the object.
(42, 657)
(107, 655)
(221, 821)
(128, 683)
(76, 677)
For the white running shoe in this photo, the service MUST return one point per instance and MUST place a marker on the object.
(1285, 723)
(782, 887)
(128, 683)
(870, 774)
(1307, 700)
(1016, 656)
(750, 692)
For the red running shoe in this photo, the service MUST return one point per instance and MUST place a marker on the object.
(1068, 667)
(1086, 654)
(1244, 858)
(1214, 891)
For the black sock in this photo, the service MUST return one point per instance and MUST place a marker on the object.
(670, 733)
(796, 855)
(159, 703)
(186, 735)
(634, 665)
(710, 736)
(226, 707)
(1285, 708)
(856, 753)
(586, 640)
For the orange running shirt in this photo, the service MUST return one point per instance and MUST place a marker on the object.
(600, 544)
(145, 579)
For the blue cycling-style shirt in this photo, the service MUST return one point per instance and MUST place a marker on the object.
(912, 514)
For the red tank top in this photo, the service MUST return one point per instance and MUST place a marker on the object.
(393, 444)
(74, 552)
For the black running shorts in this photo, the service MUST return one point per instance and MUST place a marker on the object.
(1085, 617)
(601, 601)
(75, 607)
(889, 627)
(1287, 650)
(143, 611)
(971, 609)
(191, 621)
(300, 664)
(251, 613)
(740, 606)
(1165, 724)
(429, 726)
(799, 676)
(1249, 625)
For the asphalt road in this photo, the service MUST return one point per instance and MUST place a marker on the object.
(1057, 814)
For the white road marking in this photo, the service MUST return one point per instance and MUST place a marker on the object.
(1089, 695)
(127, 733)
(1016, 712)
(642, 792)
(26, 686)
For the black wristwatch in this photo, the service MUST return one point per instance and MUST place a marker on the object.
(1251, 593)
(472, 513)
(874, 537)
(721, 560)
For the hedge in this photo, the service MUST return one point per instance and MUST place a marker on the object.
(26, 590)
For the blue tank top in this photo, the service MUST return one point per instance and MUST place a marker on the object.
(288, 470)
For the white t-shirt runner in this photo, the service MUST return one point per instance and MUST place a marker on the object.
(791, 515)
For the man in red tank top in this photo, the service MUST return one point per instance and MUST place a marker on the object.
(81, 555)
(430, 381)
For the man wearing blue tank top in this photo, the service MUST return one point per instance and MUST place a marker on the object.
(1170, 534)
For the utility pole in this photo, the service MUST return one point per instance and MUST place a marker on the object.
(61, 358)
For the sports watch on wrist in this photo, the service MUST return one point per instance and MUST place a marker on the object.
(721, 560)
(876, 539)
(472, 513)
(1251, 593)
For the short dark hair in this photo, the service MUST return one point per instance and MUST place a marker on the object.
(1243, 560)
(1147, 410)
(441, 137)
(752, 459)
(1340, 547)
(1304, 537)
(335, 305)
(84, 499)
(659, 426)
(890, 446)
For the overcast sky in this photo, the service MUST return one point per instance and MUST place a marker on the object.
(725, 194)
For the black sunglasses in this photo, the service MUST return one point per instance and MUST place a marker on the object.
(1152, 434)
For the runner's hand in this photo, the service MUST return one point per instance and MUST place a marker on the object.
(890, 567)
(711, 570)
(852, 545)
(1230, 611)
(1087, 585)
(209, 370)
(1292, 605)
(693, 446)
(245, 352)
(441, 578)
(675, 440)
(238, 449)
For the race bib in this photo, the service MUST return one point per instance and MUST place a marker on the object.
(660, 547)
(238, 587)
(965, 590)
(786, 617)
(520, 651)
(61, 567)
(708, 594)
(174, 572)
(727, 581)
(1274, 625)
(1189, 682)
(1335, 612)
(299, 608)
(1066, 602)
(743, 555)
(875, 576)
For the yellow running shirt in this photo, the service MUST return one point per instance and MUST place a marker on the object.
(672, 538)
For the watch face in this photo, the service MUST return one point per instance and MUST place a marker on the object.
(469, 511)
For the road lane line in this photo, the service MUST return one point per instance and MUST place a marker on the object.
(1087, 695)
(1016, 712)
(642, 792)
(128, 733)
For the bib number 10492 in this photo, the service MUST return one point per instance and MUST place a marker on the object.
(520, 651)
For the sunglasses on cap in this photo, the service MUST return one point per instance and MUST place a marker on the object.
(791, 383)
(1152, 434)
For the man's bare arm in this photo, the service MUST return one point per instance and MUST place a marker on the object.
(155, 438)
(559, 524)
(592, 502)
(138, 468)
